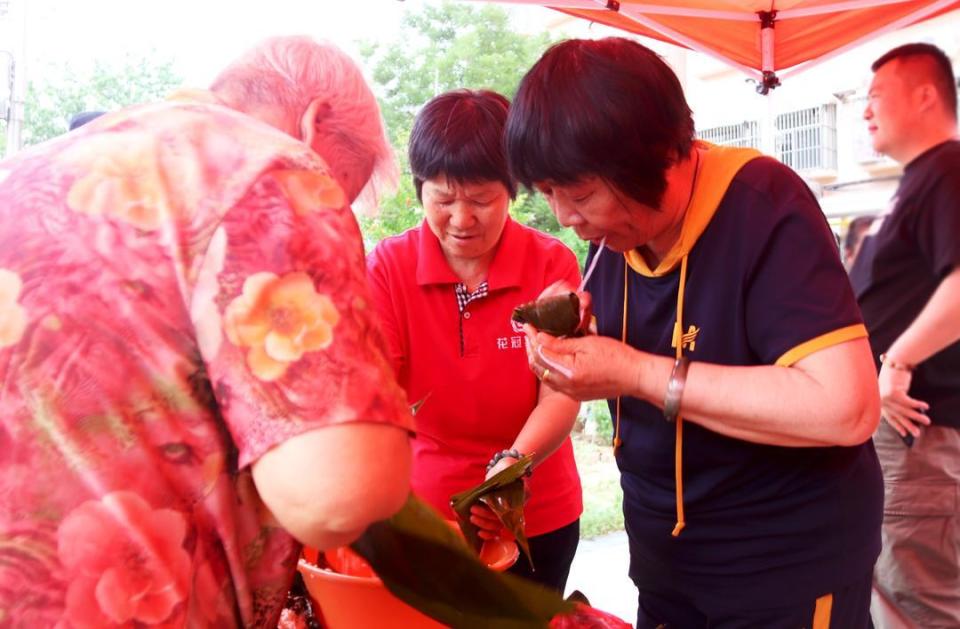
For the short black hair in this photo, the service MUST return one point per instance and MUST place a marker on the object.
(459, 135)
(855, 232)
(943, 78)
(608, 107)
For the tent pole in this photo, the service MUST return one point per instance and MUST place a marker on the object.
(769, 80)
(768, 135)
(768, 40)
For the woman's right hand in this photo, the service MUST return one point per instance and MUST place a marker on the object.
(586, 368)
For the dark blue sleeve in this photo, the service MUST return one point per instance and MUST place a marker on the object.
(797, 293)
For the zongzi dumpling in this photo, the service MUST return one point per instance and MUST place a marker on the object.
(558, 315)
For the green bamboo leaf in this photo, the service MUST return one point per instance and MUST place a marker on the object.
(461, 503)
(424, 563)
(507, 504)
(416, 405)
(578, 597)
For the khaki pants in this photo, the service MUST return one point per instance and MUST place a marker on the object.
(917, 577)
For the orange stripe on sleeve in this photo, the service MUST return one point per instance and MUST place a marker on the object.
(823, 341)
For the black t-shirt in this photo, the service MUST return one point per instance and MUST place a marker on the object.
(765, 525)
(901, 266)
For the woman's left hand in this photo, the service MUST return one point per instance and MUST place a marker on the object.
(585, 368)
(488, 524)
(483, 518)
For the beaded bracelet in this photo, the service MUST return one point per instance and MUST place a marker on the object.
(893, 364)
(513, 454)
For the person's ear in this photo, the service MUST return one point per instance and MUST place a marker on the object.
(927, 97)
(313, 119)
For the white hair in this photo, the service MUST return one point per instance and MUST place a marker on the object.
(284, 75)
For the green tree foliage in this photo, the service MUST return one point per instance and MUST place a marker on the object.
(445, 47)
(437, 49)
(398, 212)
(531, 209)
(60, 91)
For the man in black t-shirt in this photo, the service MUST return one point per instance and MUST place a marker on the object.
(907, 280)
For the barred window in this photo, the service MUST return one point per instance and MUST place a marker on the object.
(744, 134)
(807, 138)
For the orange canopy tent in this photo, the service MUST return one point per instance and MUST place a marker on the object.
(760, 37)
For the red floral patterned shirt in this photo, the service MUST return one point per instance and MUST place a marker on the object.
(181, 289)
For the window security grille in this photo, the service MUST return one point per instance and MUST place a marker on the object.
(743, 134)
(807, 138)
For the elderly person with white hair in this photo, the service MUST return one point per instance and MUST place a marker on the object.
(192, 384)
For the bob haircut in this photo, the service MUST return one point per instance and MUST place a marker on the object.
(938, 68)
(610, 108)
(459, 135)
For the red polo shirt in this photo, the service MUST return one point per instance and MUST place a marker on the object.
(472, 365)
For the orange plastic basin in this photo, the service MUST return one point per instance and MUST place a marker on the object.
(359, 600)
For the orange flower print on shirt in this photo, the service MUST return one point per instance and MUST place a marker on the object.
(125, 562)
(122, 179)
(13, 316)
(308, 191)
(279, 319)
(126, 509)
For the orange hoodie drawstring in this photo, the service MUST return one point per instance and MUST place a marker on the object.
(678, 343)
(623, 339)
(678, 456)
(719, 166)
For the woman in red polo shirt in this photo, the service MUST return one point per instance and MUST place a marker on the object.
(445, 291)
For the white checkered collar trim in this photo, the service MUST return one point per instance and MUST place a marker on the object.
(464, 297)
